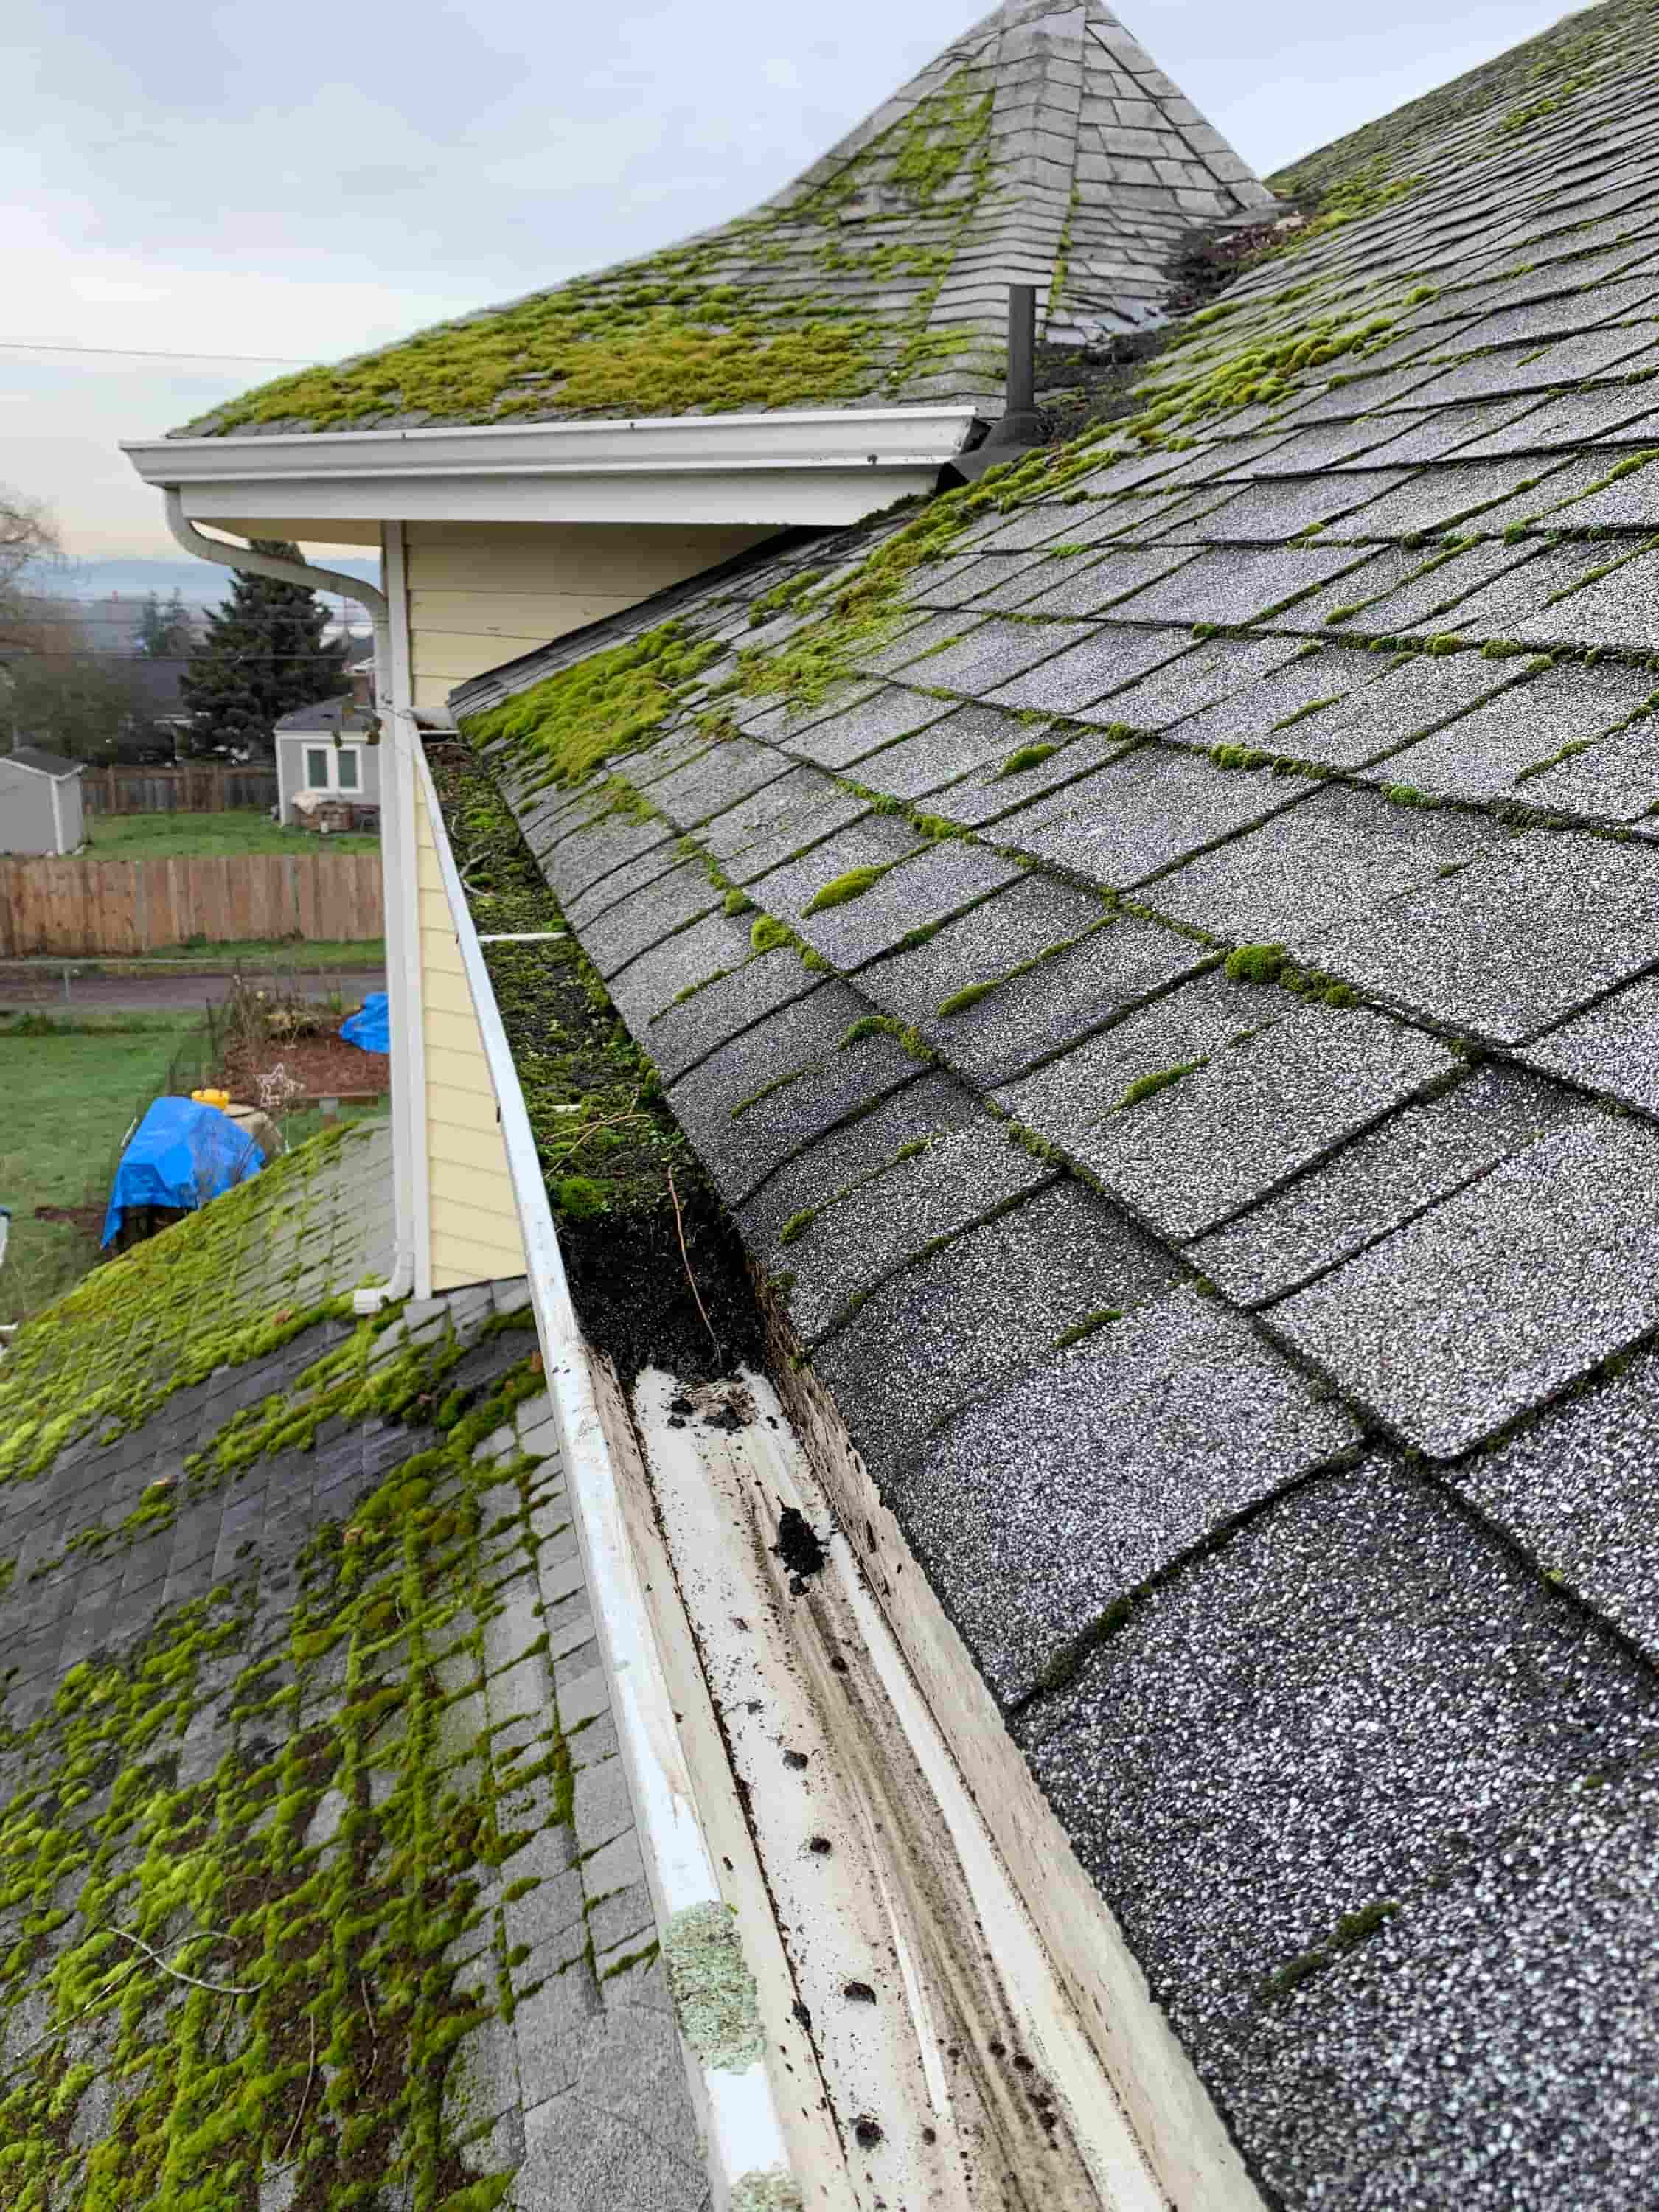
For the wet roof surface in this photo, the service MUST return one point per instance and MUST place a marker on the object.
(1282, 1447)
(296, 1650)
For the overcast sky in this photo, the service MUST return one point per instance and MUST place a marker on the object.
(313, 179)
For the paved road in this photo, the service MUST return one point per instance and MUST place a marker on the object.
(43, 987)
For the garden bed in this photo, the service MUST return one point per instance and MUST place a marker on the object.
(313, 1068)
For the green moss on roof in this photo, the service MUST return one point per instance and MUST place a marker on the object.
(607, 704)
(741, 318)
(163, 1316)
(263, 1960)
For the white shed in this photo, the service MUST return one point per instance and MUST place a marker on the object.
(40, 802)
(327, 749)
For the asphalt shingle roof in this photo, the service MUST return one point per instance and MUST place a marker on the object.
(296, 1651)
(1279, 1448)
(42, 761)
(1044, 146)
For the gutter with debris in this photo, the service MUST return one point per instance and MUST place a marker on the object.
(889, 1991)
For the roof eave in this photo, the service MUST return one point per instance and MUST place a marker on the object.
(829, 465)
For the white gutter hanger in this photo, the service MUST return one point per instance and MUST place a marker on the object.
(824, 465)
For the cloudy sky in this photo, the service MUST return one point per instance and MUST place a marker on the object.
(296, 183)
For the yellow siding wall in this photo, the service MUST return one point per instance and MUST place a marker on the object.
(475, 1225)
(482, 593)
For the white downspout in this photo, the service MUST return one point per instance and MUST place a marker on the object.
(398, 861)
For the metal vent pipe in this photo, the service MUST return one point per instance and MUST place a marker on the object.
(1019, 427)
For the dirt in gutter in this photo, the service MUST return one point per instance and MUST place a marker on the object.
(638, 1222)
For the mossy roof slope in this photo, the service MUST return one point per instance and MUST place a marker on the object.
(1209, 1148)
(1043, 147)
(317, 1882)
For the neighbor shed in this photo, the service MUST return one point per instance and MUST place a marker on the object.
(40, 802)
(327, 748)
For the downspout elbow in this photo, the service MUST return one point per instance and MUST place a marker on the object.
(252, 563)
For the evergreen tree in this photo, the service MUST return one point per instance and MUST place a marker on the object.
(264, 655)
(165, 629)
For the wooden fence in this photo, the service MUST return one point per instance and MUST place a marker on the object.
(199, 787)
(83, 907)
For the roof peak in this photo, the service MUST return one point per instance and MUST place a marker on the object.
(1042, 146)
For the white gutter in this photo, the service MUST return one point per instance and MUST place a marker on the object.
(815, 465)
(397, 854)
(745, 2134)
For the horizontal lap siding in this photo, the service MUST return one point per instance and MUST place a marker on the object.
(481, 594)
(471, 1212)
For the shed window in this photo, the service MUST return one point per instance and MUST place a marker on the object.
(345, 767)
(317, 768)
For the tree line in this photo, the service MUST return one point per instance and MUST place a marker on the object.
(248, 662)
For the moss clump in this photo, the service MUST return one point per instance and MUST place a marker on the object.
(1256, 963)
(970, 995)
(1102, 1317)
(842, 890)
(769, 1090)
(1301, 714)
(1148, 1086)
(1026, 757)
(874, 1025)
(768, 934)
(797, 1224)
(736, 902)
(783, 597)
(1352, 1929)
(712, 1990)
(766, 2193)
(609, 703)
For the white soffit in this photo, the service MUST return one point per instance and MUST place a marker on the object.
(829, 465)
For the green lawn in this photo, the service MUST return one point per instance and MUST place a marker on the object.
(70, 1094)
(282, 956)
(243, 829)
(69, 1098)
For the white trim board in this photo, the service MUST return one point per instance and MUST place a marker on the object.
(815, 465)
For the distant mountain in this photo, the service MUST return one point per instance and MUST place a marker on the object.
(202, 583)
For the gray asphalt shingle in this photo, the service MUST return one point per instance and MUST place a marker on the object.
(1428, 1217)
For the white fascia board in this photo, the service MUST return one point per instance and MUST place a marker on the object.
(824, 465)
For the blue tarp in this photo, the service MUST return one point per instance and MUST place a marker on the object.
(371, 1030)
(181, 1154)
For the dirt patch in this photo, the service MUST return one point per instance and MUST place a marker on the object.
(89, 1219)
(1081, 386)
(634, 1299)
(798, 1547)
(321, 1067)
